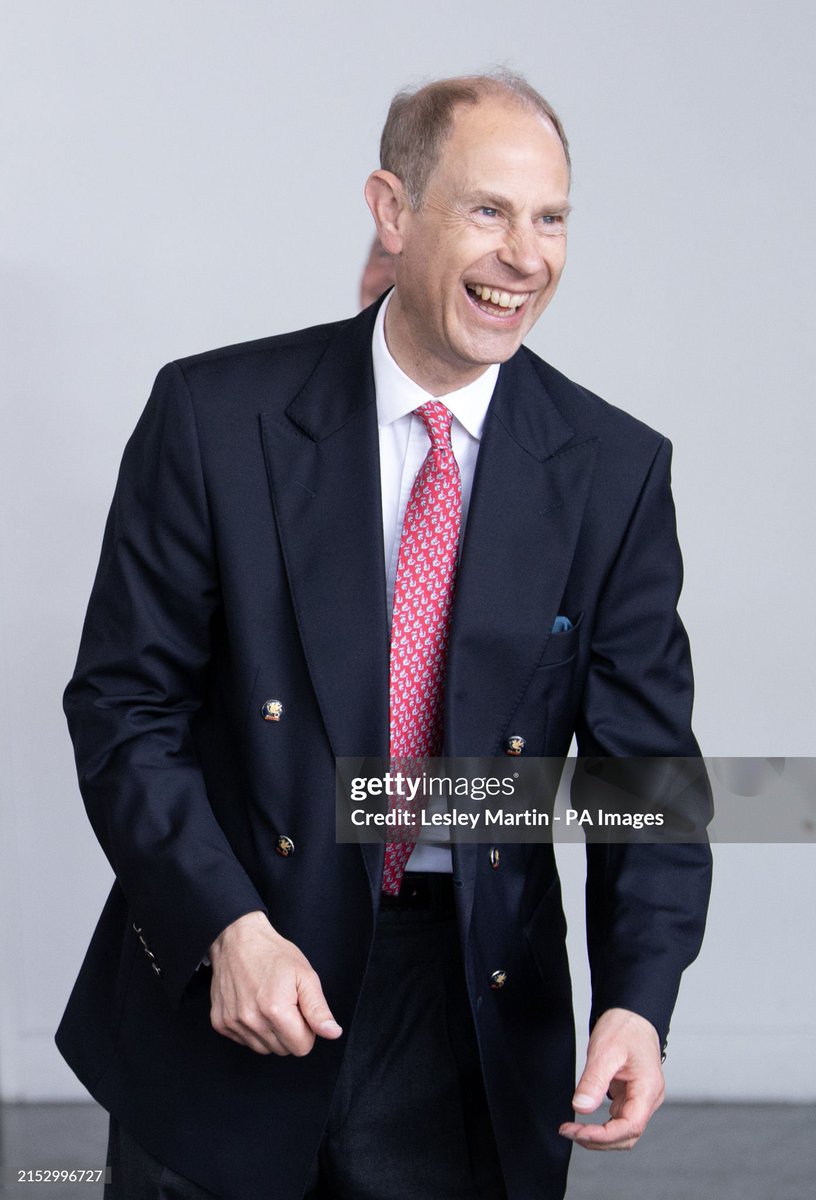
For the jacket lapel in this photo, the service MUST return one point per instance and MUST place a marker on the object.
(323, 462)
(529, 493)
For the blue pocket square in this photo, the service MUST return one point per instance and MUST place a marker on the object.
(561, 625)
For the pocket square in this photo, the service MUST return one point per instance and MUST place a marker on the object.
(561, 625)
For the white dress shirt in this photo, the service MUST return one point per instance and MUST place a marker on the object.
(404, 444)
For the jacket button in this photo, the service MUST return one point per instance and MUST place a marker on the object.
(495, 857)
(514, 745)
(497, 980)
(285, 846)
(156, 970)
(272, 710)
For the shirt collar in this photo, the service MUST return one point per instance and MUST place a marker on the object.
(397, 395)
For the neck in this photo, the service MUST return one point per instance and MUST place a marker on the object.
(432, 374)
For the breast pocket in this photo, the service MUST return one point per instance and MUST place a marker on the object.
(542, 721)
(562, 647)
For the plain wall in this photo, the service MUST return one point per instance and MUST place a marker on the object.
(181, 174)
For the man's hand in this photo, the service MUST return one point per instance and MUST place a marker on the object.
(623, 1058)
(264, 993)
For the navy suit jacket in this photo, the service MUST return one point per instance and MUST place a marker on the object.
(243, 561)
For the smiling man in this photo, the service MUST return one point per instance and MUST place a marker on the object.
(399, 535)
(480, 249)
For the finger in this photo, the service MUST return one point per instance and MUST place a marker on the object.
(314, 1009)
(629, 1117)
(256, 1035)
(265, 1044)
(592, 1086)
(270, 1026)
(638, 1104)
(250, 1041)
(246, 1025)
(264, 1039)
(616, 1134)
(254, 1042)
(283, 1021)
(601, 1148)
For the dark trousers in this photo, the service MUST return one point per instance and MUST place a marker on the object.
(409, 1119)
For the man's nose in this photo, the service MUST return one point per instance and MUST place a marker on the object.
(522, 250)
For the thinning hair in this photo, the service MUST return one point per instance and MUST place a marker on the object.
(419, 122)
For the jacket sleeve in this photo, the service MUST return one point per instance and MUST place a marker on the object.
(646, 903)
(138, 683)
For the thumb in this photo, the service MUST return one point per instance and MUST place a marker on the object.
(592, 1086)
(314, 1009)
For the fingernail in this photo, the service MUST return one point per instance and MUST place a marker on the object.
(579, 1100)
(331, 1028)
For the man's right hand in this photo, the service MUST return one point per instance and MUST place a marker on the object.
(264, 993)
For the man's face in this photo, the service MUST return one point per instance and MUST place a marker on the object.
(480, 261)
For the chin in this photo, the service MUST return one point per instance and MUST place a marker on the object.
(496, 350)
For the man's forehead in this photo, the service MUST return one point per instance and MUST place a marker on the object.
(501, 126)
(492, 144)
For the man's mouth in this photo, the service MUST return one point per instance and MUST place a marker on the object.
(495, 302)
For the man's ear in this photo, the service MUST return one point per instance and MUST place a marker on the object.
(385, 196)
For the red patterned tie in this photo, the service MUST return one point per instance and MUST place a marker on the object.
(423, 598)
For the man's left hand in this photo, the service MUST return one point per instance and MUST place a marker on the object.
(623, 1059)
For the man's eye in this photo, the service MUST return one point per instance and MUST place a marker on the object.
(488, 212)
(552, 219)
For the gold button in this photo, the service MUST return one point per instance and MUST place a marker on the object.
(285, 846)
(497, 980)
(514, 745)
(495, 857)
(272, 710)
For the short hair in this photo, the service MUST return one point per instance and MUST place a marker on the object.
(419, 122)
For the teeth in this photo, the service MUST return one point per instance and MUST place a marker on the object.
(500, 299)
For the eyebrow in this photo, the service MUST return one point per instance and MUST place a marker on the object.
(495, 200)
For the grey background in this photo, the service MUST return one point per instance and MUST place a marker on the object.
(187, 173)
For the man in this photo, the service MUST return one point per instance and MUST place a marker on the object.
(266, 1012)
(378, 273)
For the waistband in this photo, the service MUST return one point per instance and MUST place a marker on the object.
(422, 891)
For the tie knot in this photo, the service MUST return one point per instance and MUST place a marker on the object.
(437, 420)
